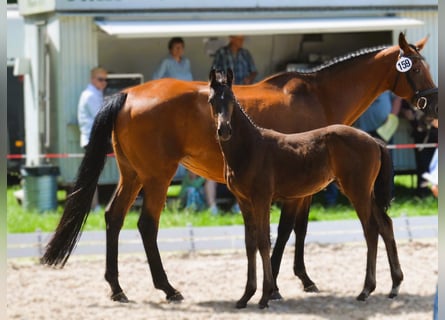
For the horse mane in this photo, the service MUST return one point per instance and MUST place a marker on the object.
(247, 116)
(333, 62)
(222, 79)
(345, 58)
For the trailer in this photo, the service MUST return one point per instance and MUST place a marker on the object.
(63, 40)
(15, 103)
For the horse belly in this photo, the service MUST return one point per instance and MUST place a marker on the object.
(302, 188)
(303, 180)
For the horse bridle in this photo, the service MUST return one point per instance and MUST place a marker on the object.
(419, 99)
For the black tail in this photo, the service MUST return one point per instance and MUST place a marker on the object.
(78, 203)
(383, 190)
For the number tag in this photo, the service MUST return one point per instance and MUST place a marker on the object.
(404, 64)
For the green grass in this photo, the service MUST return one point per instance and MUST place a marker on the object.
(406, 203)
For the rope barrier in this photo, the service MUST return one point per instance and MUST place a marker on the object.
(80, 155)
(412, 146)
(52, 155)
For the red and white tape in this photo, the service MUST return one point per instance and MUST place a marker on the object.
(412, 146)
(80, 155)
(52, 155)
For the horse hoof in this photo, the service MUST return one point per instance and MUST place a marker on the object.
(175, 297)
(241, 304)
(276, 296)
(263, 305)
(362, 296)
(394, 292)
(120, 297)
(312, 288)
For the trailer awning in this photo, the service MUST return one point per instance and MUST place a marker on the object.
(190, 28)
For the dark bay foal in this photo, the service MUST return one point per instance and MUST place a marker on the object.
(262, 165)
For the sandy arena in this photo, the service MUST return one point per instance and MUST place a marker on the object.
(211, 284)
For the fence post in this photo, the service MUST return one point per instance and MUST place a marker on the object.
(191, 238)
(39, 242)
(408, 227)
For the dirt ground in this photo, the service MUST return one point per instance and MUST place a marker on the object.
(212, 282)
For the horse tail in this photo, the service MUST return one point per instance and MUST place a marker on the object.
(78, 203)
(383, 191)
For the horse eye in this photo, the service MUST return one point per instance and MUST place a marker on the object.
(416, 70)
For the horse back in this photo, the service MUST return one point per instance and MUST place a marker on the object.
(167, 121)
(304, 163)
(161, 106)
(353, 153)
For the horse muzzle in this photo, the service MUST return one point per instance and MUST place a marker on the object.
(426, 100)
(224, 131)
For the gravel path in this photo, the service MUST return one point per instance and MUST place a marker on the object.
(211, 283)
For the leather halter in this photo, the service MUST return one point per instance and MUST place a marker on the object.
(419, 99)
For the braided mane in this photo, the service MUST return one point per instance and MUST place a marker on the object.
(245, 113)
(222, 79)
(344, 58)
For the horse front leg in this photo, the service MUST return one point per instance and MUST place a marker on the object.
(264, 249)
(300, 229)
(148, 225)
(250, 238)
(114, 217)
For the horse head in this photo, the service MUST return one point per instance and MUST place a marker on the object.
(223, 101)
(417, 85)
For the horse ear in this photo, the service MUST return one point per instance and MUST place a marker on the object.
(212, 76)
(403, 44)
(421, 43)
(229, 77)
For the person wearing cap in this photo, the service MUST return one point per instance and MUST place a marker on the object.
(239, 59)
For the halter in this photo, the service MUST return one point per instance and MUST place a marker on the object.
(418, 100)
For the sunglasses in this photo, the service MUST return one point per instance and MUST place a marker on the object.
(101, 79)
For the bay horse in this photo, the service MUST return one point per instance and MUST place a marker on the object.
(262, 165)
(158, 124)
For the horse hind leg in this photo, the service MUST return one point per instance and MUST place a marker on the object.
(115, 212)
(363, 208)
(300, 230)
(294, 215)
(386, 230)
(371, 235)
(154, 199)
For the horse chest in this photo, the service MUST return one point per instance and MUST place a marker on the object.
(240, 182)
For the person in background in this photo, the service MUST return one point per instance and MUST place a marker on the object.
(380, 120)
(432, 176)
(175, 65)
(423, 131)
(192, 192)
(90, 102)
(239, 59)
